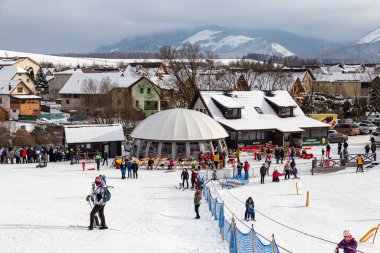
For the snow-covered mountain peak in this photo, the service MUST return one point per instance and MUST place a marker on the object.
(371, 37)
(202, 36)
(281, 50)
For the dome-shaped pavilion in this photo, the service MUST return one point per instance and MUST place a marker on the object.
(177, 132)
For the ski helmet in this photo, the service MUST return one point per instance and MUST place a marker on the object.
(98, 180)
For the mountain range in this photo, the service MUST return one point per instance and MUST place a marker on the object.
(230, 42)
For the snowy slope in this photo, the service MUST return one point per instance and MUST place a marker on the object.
(201, 36)
(371, 37)
(70, 61)
(236, 45)
(38, 205)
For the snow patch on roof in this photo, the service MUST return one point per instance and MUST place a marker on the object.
(94, 133)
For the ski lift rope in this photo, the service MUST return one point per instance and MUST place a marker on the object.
(294, 229)
(216, 191)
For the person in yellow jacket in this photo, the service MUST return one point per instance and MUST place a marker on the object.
(216, 160)
(238, 155)
(359, 161)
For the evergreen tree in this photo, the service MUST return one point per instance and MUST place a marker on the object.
(41, 83)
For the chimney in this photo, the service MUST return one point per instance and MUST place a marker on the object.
(9, 87)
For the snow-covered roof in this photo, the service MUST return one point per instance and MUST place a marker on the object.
(75, 83)
(8, 72)
(93, 133)
(7, 86)
(7, 62)
(69, 72)
(344, 77)
(227, 101)
(179, 125)
(251, 119)
(281, 100)
(26, 96)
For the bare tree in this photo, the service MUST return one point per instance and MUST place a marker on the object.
(183, 64)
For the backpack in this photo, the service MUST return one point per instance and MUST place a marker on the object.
(106, 195)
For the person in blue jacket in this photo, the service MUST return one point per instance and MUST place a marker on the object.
(123, 169)
(129, 168)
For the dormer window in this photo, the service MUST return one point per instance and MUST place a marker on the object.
(258, 110)
(285, 112)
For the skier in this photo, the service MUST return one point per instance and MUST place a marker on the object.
(359, 162)
(194, 176)
(328, 148)
(345, 147)
(246, 170)
(349, 244)
(105, 157)
(295, 172)
(323, 152)
(373, 147)
(267, 164)
(185, 177)
(97, 160)
(83, 165)
(150, 164)
(135, 168)
(239, 168)
(287, 171)
(197, 202)
(276, 176)
(339, 148)
(263, 172)
(282, 155)
(129, 168)
(97, 194)
(249, 209)
(366, 148)
(123, 169)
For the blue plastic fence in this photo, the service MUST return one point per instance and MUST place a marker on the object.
(238, 241)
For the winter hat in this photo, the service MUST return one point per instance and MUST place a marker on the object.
(346, 232)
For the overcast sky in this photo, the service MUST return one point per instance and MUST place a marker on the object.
(58, 26)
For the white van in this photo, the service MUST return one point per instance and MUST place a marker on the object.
(375, 136)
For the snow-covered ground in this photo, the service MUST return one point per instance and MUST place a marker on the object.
(39, 205)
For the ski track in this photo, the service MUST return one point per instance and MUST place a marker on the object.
(39, 205)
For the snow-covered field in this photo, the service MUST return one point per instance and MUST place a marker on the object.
(39, 205)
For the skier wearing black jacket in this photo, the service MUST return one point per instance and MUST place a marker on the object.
(249, 202)
(185, 177)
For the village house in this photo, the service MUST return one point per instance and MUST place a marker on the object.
(258, 117)
(17, 73)
(17, 101)
(144, 93)
(58, 81)
(26, 63)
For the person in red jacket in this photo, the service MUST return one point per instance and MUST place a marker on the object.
(276, 176)
(246, 169)
(23, 155)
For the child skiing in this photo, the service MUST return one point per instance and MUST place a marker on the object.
(348, 243)
(97, 194)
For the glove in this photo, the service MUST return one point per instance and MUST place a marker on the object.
(88, 197)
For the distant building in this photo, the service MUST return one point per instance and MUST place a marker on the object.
(26, 63)
(18, 101)
(257, 117)
(95, 138)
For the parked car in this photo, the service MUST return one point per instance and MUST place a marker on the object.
(77, 118)
(375, 121)
(44, 121)
(366, 128)
(347, 128)
(375, 136)
(337, 137)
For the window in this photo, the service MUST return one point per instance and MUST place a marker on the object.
(19, 89)
(137, 103)
(258, 110)
(148, 91)
(286, 112)
(27, 80)
(67, 101)
(75, 96)
(141, 90)
(1, 100)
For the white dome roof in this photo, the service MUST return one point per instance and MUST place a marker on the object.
(179, 125)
